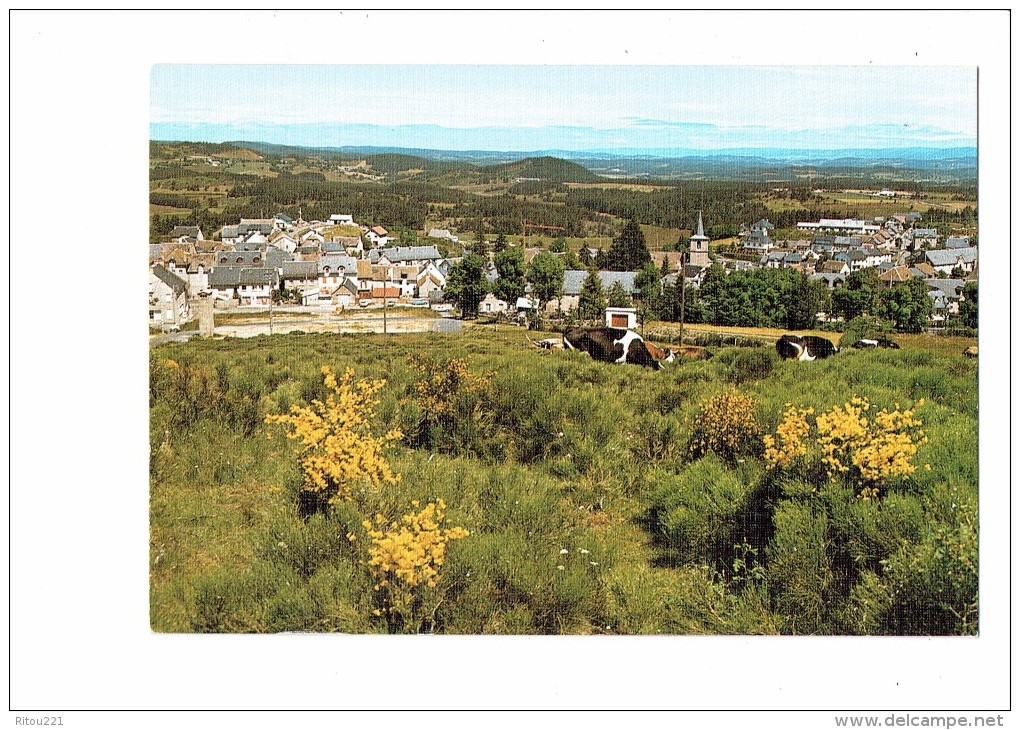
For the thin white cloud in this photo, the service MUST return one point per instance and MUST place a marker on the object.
(935, 102)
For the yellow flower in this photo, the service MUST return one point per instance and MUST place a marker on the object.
(339, 447)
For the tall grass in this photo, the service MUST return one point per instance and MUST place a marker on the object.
(587, 511)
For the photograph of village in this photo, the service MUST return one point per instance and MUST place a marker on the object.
(563, 350)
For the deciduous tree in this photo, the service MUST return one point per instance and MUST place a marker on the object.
(510, 265)
(467, 285)
(546, 276)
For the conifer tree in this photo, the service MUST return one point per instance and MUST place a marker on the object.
(591, 304)
(618, 297)
(628, 252)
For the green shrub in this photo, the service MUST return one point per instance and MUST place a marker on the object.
(698, 512)
(752, 364)
(799, 572)
(931, 588)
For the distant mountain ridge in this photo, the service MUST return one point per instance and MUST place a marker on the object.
(773, 154)
(956, 164)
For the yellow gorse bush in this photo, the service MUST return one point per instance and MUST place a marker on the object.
(878, 449)
(790, 441)
(870, 450)
(339, 447)
(440, 385)
(727, 425)
(406, 555)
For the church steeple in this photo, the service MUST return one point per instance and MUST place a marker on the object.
(699, 245)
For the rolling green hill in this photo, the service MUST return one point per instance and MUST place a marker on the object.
(546, 169)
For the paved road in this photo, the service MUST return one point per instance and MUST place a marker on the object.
(359, 323)
(171, 337)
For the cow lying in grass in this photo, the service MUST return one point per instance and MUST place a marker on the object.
(866, 343)
(615, 345)
(807, 347)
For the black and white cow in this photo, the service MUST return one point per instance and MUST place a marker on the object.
(612, 344)
(867, 343)
(807, 347)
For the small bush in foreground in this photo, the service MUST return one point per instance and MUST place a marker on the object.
(340, 450)
(727, 425)
(405, 559)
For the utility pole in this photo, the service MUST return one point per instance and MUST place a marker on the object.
(385, 298)
(683, 295)
(269, 275)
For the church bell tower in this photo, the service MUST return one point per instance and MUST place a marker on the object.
(699, 246)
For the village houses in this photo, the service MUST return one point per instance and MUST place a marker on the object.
(306, 264)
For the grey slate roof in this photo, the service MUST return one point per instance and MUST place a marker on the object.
(757, 238)
(573, 280)
(244, 229)
(251, 246)
(398, 254)
(939, 299)
(179, 231)
(229, 276)
(958, 242)
(830, 278)
(170, 279)
(241, 258)
(949, 257)
(300, 269)
(952, 288)
(336, 263)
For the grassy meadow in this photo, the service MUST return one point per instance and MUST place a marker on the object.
(596, 499)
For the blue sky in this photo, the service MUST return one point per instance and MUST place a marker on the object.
(568, 107)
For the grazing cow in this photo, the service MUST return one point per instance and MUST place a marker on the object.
(971, 351)
(694, 353)
(550, 343)
(659, 354)
(866, 343)
(808, 347)
(611, 344)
